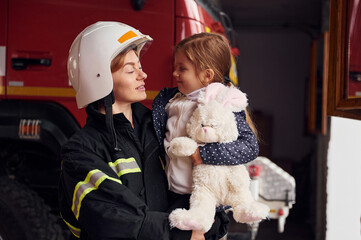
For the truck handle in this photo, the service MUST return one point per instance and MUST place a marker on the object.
(138, 4)
(227, 23)
(23, 63)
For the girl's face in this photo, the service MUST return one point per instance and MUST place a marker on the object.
(185, 74)
(128, 81)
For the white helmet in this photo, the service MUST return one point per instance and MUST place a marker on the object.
(91, 54)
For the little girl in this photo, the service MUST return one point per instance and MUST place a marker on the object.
(199, 60)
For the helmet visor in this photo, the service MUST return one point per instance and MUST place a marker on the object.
(140, 45)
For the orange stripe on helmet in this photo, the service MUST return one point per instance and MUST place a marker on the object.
(128, 35)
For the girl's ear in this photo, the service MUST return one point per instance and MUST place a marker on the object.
(210, 74)
(207, 76)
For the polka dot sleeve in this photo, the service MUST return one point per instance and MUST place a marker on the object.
(241, 151)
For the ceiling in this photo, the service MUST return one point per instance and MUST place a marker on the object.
(276, 13)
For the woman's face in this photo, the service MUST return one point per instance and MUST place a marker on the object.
(185, 74)
(128, 81)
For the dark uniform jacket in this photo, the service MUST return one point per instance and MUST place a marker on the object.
(123, 198)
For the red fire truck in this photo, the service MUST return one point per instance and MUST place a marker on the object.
(38, 112)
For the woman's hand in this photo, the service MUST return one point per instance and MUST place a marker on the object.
(197, 235)
(196, 158)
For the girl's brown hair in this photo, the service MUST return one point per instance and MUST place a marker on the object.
(210, 51)
(207, 51)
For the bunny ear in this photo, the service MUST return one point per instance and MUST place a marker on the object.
(235, 100)
(211, 92)
(229, 97)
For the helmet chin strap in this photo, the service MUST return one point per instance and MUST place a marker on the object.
(108, 102)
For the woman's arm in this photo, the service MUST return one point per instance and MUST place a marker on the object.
(240, 151)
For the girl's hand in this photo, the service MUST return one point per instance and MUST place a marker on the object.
(196, 158)
(197, 235)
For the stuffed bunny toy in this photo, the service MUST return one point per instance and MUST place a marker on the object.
(214, 185)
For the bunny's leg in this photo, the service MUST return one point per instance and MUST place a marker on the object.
(203, 207)
(200, 216)
(245, 208)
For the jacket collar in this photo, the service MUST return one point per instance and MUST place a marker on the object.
(94, 116)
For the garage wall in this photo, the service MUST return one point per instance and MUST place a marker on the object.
(273, 70)
(344, 180)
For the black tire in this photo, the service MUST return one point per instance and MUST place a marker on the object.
(24, 215)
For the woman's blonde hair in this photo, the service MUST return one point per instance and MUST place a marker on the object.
(210, 51)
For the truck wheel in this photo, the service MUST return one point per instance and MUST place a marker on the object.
(23, 214)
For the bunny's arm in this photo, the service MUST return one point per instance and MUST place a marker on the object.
(240, 151)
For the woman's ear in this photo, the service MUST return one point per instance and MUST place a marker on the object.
(207, 76)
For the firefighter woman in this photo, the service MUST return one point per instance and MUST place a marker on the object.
(113, 184)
